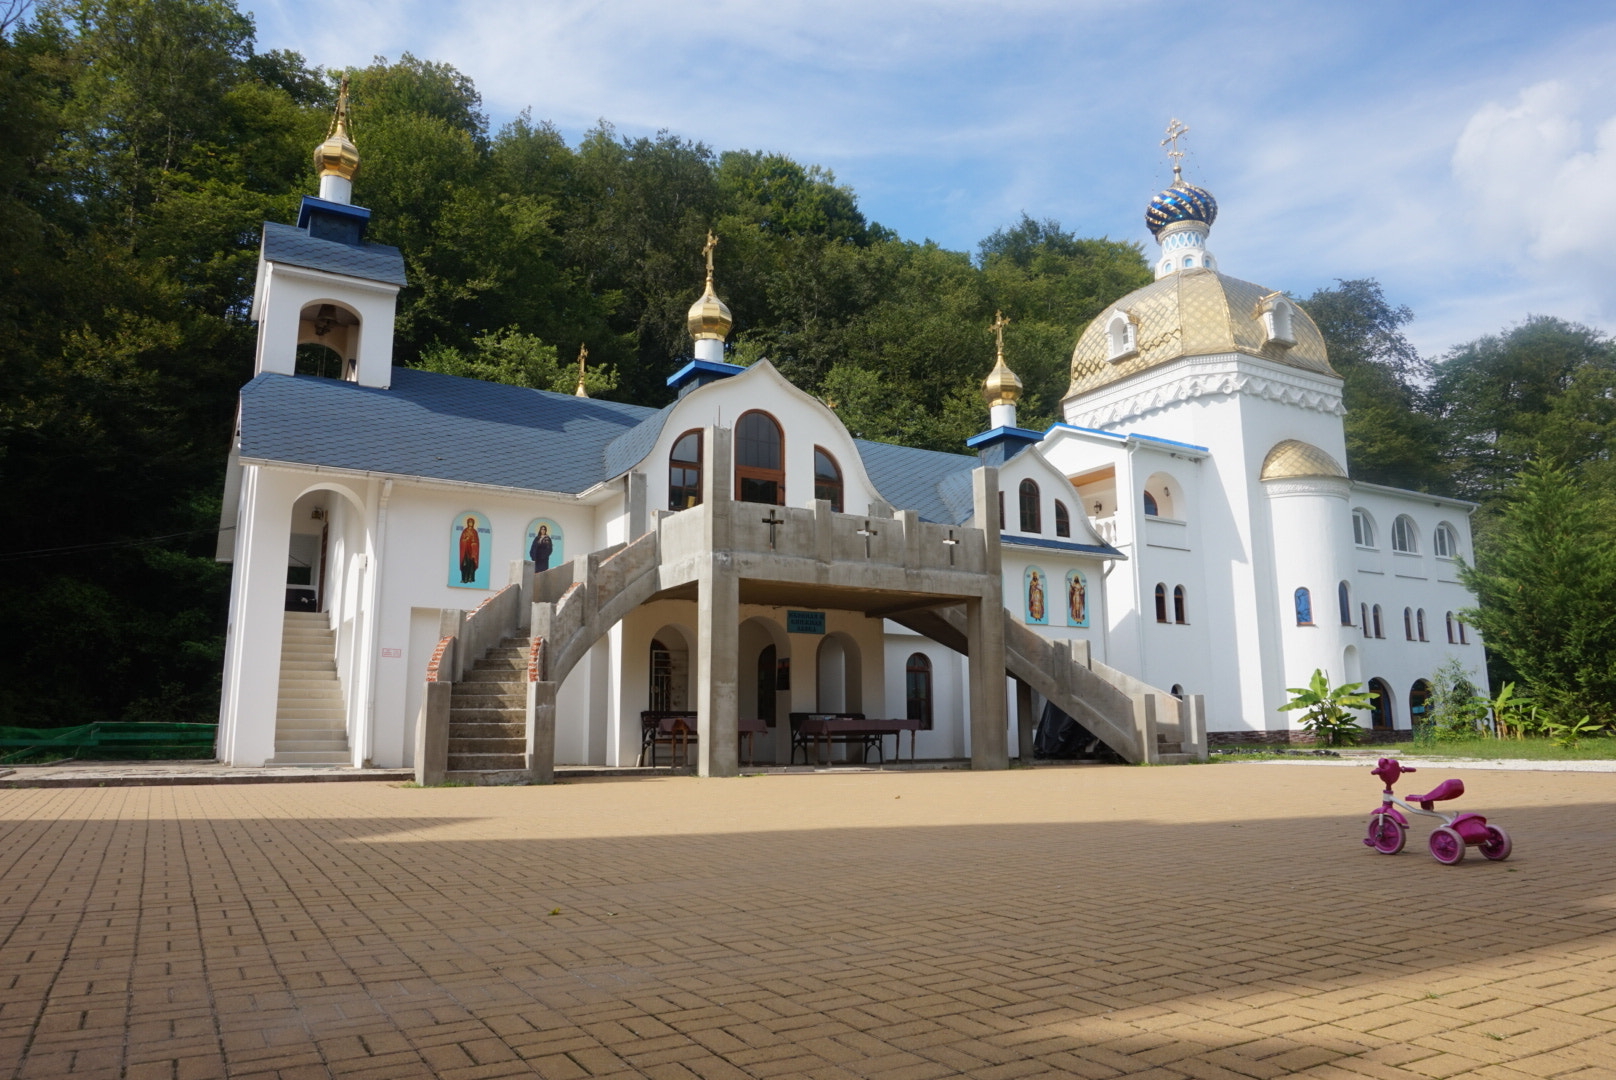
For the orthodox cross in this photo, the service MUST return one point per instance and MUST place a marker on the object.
(339, 121)
(999, 323)
(583, 355)
(707, 250)
(952, 543)
(867, 532)
(1175, 131)
(772, 521)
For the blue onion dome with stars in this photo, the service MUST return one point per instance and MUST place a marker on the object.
(1181, 202)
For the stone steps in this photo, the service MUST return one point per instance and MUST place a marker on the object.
(310, 709)
(488, 718)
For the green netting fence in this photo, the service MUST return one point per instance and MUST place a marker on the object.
(108, 739)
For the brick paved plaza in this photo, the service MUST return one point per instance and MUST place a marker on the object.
(1209, 921)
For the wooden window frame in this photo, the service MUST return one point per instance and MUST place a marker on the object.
(837, 503)
(676, 463)
(1030, 500)
(760, 472)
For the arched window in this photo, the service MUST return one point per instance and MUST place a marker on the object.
(1380, 629)
(1363, 529)
(1405, 537)
(1161, 603)
(1380, 709)
(1119, 334)
(1418, 695)
(1343, 595)
(661, 677)
(1408, 623)
(1452, 640)
(1150, 505)
(1363, 613)
(1444, 542)
(760, 475)
(684, 471)
(1177, 691)
(917, 689)
(1063, 519)
(827, 478)
(1178, 605)
(1464, 639)
(1304, 607)
(1032, 517)
(1419, 622)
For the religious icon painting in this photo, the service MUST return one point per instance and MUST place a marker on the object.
(470, 550)
(1037, 591)
(542, 545)
(1077, 598)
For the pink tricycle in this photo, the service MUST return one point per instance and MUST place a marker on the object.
(1388, 828)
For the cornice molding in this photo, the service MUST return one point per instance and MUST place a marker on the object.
(1200, 377)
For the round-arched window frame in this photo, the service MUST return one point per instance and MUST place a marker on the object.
(760, 475)
(1032, 516)
(684, 471)
(827, 479)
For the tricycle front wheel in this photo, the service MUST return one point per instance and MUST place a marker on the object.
(1386, 834)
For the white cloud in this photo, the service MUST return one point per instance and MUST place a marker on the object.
(1540, 186)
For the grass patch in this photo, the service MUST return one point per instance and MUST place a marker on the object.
(446, 783)
(1602, 748)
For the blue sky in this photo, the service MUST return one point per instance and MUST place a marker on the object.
(1461, 153)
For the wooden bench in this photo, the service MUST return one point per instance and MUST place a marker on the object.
(678, 730)
(820, 730)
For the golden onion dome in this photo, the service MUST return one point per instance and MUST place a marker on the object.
(1294, 459)
(1001, 387)
(1198, 312)
(337, 155)
(709, 318)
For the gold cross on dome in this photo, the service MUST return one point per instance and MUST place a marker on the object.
(999, 323)
(707, 250)
(1175, 131)
(583, 354)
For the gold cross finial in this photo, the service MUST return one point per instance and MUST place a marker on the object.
(339, 120)
(1175, 131)
(999, 323)
(707, 250)
(583, 355)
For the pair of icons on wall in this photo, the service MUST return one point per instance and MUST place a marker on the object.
(472, 554)
(1035, 589)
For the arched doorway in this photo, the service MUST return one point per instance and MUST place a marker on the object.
(1380, 710)
(670, 670)
(839, 673)
(763, 672)
(1418, 695)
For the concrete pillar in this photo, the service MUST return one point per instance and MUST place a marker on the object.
(718, 619)
(541, 707)
(1194, 713)
(1144, 720)
(984, 631)
(639, 515)
(432, 735)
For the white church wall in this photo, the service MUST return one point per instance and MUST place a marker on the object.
(284, 291)
(947, 736)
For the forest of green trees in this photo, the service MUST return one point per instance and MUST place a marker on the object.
(143, 143)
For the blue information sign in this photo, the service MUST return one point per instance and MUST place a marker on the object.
(805, 622)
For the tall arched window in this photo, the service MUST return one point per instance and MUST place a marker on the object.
(1343, 595)
(1063, 519)
(1444, 542)
(1405, 537)
(1304, 607)
(1032, 516)
(1363, 529)
(1161, 603)
(684, 471)
(1408, 623)
(917, 689)
(1179, 615)
(1150, 505)
(1363, 614)
(1464, 639)
(1380, 629)
(1380, 709)
(760, 475)
(1419, 623)
(1452, 639)
(827, 478)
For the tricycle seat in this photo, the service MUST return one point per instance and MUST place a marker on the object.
(1447, 789)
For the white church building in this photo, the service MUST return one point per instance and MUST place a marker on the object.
(484, 580)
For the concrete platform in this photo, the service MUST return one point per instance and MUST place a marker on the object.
(1211, 922)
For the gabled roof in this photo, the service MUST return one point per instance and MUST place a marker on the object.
(435, 426)
(293, 246)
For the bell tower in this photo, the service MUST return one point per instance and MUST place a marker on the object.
(322, 283)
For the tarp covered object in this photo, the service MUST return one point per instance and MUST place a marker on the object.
(1058, 737)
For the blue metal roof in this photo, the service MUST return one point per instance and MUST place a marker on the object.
(373, 262)
(935, 485)
(1012, 540)
(435, 426)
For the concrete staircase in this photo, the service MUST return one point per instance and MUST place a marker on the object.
(311, 717)
(488, 718)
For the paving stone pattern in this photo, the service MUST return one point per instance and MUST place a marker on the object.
(1208, 922)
